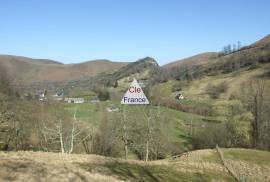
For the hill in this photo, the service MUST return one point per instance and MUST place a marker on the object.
(22, 70)
(194, 60)
(201, 165)
(262, 42)
(142, 69)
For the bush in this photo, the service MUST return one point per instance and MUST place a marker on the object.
(211, 135)
(231, 133)
(203, 109)
(103, 93)
(178, 86)
(214, 91)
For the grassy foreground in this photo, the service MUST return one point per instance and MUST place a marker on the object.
(201, 165)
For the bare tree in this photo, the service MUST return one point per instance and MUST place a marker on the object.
(257, 101)
(151, 117)
(125, 132)
(87, 139)
(64, 136)
(239, 45)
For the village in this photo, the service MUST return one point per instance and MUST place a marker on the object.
(59, 96)
(43, 96)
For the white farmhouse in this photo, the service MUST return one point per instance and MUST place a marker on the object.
(179, 96)
(74, 100)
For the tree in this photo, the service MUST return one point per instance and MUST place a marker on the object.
(234, 48)
(151, 118)
(62, 132)
(239, 46)
(125, 132)
(235, 125)
(108, 137)
(5, 87)
(257, 103)
(227, 49)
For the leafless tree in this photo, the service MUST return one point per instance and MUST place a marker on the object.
(125, 131)
(64, 135)
(150, 117)
(257, 104)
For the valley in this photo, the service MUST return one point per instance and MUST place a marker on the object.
(208, 118)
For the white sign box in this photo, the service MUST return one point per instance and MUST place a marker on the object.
(134, 95)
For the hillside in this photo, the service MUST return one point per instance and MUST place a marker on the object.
(262, 42)
(201, 165)
(22, 70)
(258, 52)
(143, 69)
(194, 60)
(197, 89)
(33, 74)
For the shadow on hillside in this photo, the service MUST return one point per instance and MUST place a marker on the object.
(143, 172)
(123, 170)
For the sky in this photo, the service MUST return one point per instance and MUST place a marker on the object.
(122, 30)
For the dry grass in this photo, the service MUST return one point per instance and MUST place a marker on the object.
(246, 171)
(40, 166)
(249, 165)
(201, 165)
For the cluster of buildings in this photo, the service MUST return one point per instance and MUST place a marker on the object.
(42, 96)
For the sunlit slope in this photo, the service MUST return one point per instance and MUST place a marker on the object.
(199, 59)
(197, 88)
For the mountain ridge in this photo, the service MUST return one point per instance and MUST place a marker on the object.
(23, 70)
(26, 71)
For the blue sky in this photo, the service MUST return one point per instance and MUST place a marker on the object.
(122, 30)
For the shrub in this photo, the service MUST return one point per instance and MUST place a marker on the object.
(104, 95)
(178, 86)
(214, 91)
(211, 135)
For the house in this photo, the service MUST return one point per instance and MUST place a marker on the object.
(179, 96)
(41, 95)
(59, 96)
(143, 83)
(113, 108)
(74, 100)
(94, 99)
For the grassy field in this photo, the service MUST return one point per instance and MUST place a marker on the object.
(180, 121)
(201, 165)
(259, 157)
